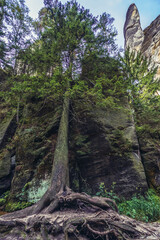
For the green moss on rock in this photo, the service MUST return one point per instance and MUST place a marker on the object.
(37, 189)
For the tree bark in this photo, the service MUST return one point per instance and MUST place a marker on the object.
(60, 168)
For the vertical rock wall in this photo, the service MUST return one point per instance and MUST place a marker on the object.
(148, 42)
(105, 150)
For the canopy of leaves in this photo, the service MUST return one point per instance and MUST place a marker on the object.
(73, 44)
(77, 48)
(14, 29)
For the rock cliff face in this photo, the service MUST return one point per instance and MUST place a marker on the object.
(148, 42)
(103, 147)
(106, 150)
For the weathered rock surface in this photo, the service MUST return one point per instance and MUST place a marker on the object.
(133, 33)
(151, 44)
(7, 130)
(148, 42)
(5, 172)
(103, 148)
(150, 153)
(106, 150)
(35, 146)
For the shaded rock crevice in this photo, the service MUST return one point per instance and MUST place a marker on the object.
(8, 128)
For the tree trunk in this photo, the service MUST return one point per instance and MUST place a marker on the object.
(60, 168)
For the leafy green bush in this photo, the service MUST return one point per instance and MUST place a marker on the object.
(103, 192)
(143, 208)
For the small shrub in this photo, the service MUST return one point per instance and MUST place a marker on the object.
(143, 208)
(103, 192)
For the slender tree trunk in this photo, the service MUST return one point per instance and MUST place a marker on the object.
(60, 168)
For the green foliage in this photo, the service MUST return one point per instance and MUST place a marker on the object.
(140, 78)
(146, 129)
(3, 198)
(143, 91)
(71, 36)
(136, 70)
(83, 145)
(22, 88)
(142, 208)
(102, 91)
(14, 206)
(14, 29)
(103, 192)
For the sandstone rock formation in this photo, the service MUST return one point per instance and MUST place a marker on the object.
(103, 148)
(133, 33)
(147, 41)
(109, 152)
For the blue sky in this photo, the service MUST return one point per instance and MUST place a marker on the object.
(148, 9)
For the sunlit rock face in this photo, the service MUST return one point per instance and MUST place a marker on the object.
(151, 43)
(133, 33)
(147, 41)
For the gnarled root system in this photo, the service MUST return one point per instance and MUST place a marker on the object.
(75, 216)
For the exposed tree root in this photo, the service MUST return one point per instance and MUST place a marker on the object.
(75, 216)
